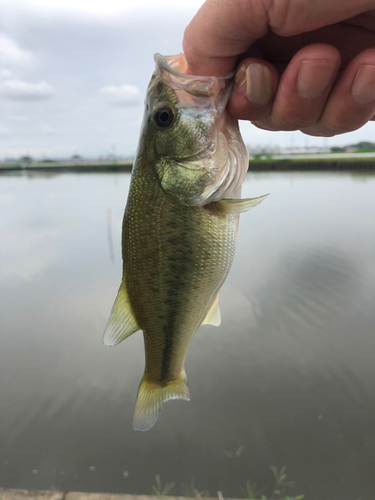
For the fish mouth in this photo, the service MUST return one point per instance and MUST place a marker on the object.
(177, 66)
(215, 91)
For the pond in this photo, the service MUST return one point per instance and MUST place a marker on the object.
(287, 379)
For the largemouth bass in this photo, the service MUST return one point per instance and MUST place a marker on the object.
(179, 227)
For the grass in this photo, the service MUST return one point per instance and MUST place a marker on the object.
(190, 491)
(278, 489)
(161, 492)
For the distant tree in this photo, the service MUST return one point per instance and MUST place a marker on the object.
(76, 157)
(363, 146)
(336, 149)
(26, 159)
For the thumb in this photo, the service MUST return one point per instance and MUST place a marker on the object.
(218, 34)
(223, 29)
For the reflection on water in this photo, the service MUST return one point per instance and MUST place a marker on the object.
(288, 378)
(109, 235)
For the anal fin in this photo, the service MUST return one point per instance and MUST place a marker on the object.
(213, 316)
(121, 323)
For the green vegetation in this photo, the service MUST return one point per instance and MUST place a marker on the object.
(364, 147)
(161, 492)
(251, 490)
(262, 157)
(190, 491)
(359, 147)
(274, 491)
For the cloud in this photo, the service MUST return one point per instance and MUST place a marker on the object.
(3, 130)
(12, 55)
(99, 128)
(23, 91)
(109, 7)
(46, 129)
(125, 95)
(19, 118)
(5, 73)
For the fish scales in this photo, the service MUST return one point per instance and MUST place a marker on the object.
(179, 227)
(175, 263)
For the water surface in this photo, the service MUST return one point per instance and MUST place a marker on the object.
(287, 379)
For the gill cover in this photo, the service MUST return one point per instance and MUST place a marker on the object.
(199, 153)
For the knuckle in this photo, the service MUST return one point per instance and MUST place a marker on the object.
(289, 123)
(262, 125)
(294, 118)
(317, 132)
(329, 128)
(257, 115)
(242, 110)
(335, 128)
(284, 17)
(296, 122)
(343, 121)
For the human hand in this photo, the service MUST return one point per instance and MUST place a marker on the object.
(304, 65)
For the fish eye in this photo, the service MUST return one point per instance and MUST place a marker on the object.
(164, 116)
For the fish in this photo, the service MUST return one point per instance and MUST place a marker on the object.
(179, 227)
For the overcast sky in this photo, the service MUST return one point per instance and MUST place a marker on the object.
(73, 75)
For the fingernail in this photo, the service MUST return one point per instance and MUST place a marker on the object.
(313, 78)
(363, 88)
(255, 81)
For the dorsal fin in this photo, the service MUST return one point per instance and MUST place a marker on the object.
(121, 323)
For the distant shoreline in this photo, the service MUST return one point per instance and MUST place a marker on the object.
(64, 167)
(266, 165)
(305, 165)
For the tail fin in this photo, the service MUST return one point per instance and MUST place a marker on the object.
(151, 397)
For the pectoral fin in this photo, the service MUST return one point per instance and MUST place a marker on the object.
(213, 316)
(229, 206)
(121, 323)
